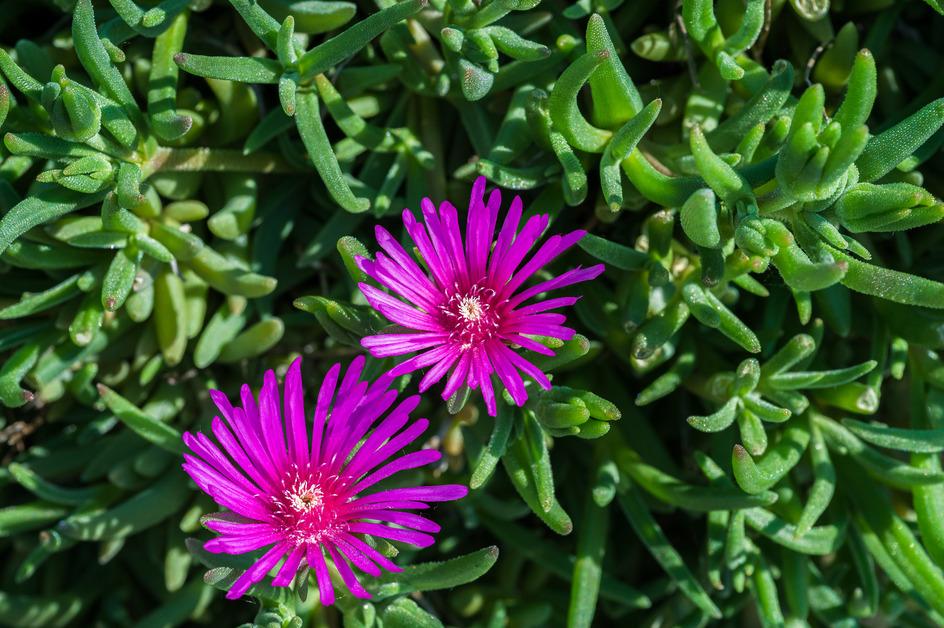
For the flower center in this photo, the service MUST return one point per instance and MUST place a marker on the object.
(304, 510)
(471, 315)
(470, 308)
(304, 497)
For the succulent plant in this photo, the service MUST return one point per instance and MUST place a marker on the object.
(745, 427)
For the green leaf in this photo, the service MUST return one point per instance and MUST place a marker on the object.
(47, 203)
(170, 317)
(34, 610)
(727, 183)
(659, 329)
(518, 465)
(239, 69)
(167, 123)
(755, 477)
(222, 327)
(588, 568)
(731, 326)
(149, 428)
(883, 468)
(32, 303)
(619, 148)
(146, 508)
(31, 481)
(667, 556)
(548, 556)
(765, 592)
(226, 276)
(878, 516)
(563, 105)
(434, 576)
(796, 380)
(96, 61)
(180, 605)
(762, 106)
(308, 120)
(614, 254)
(326, 55)
(718, 420)
(889, 284)
(534, 445)
(119, 278)
(254, 341)
(817, 541)
(15, 368)
(887, 149)
(495, 449)
(860, 93)
(404, 613)
(615, 97)
(902, 439)
(28, 516)
(152, 22)
(699, 218)
(824, 482)
(674, 491)
(259, 21)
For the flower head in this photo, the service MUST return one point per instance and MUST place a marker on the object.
(303, 498)
(466, 316)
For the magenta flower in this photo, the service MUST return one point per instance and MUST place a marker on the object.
(467, 315)
(300, 498)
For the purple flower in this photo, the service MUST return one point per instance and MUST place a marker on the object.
(468, 314)
(301, 498)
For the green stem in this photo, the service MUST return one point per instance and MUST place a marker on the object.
(215, 160)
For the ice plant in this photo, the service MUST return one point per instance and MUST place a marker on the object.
(302, 499)
(770, 225)
(469, 312)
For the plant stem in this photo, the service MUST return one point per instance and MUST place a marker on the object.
(215, 160)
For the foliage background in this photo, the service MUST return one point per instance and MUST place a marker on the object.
(147, 258)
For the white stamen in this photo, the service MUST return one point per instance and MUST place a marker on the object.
(470, 308)
(472, 315)
(303, 497)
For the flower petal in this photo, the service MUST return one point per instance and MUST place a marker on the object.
(439, 493)
(209, 453)
(506, 235)
(418, 539)
(550, 250)
(458, 377)
(386, 345)
(387, 273)
(317, 562)
(370, 459)
(422, 360)
(347, 575)
(257, 572)
(439, 369)
(572, 276)
(441, 272)
(397, 311)
(405, 519)
(270, 418)
(289, 568)
(480, 228)
(370, 552)
(368, 452)
(497, 355)
(322, 406)
(296, 430)
(237, 453)
(483, 376)
(409, 461)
